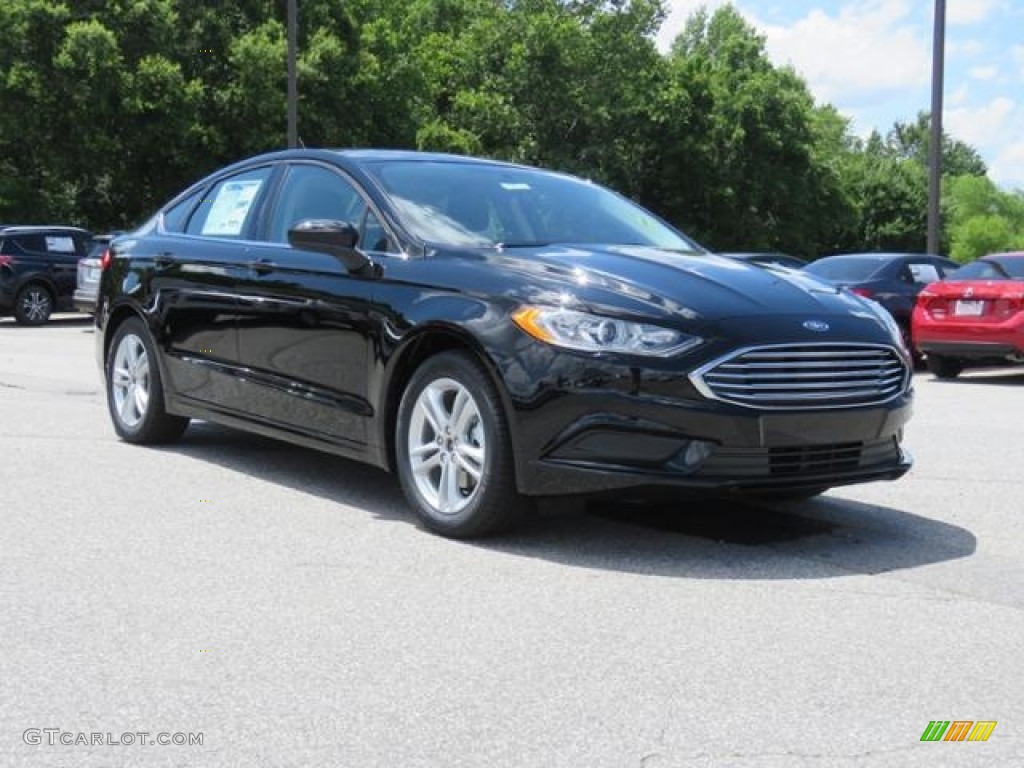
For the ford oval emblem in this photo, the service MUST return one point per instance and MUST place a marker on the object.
(818, 326)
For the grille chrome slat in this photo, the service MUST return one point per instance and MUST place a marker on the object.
(805, 376)
(824, 365)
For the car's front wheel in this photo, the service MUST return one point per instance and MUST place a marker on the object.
(453, 449)
(135, 394)
(33, 305)
(944, 367)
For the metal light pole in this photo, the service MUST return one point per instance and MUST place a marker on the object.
(293, 88)
(935, 143)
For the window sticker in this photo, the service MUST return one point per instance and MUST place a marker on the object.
(60, 244)
(515, 186)
(229, 209)
(924, 273)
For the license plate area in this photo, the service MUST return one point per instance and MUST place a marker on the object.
(965, 308)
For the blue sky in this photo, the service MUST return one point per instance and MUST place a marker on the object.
(871, 59)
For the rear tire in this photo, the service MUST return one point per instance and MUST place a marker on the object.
(135, 393)
(453, 450)
(944, 367)
(33, 305)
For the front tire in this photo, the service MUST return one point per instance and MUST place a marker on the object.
(33, 305)
(944, 367)
(135, 394)
(453, 450)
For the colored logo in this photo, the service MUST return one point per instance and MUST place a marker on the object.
(958, 730)
(818, 326)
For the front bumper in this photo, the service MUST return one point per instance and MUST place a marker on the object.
(599, 427)
(716, 448)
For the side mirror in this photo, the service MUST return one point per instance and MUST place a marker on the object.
(337, 238)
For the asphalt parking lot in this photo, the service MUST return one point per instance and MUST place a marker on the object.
(281, 603)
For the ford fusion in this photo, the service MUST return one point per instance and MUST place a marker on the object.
(491, 333)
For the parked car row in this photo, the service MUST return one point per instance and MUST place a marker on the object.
(951, 316)
(47, 269)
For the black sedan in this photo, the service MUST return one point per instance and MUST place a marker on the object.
(891, 279)
(491, 333)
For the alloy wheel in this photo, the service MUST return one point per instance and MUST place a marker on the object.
(447, 447)
(131, 381)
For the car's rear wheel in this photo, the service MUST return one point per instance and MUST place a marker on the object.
(453, 450)
(944, 367)
(135, 394)
(33, 305)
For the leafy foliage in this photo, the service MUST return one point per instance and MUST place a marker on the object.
(111, 106)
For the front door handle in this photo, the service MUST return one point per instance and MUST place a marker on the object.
(262, 266)
(164, 260)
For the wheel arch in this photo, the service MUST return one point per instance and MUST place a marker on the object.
(422, 345)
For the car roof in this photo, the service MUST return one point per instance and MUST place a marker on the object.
(881, 256)
(366, 155)
(1005, 255)
(29, 229)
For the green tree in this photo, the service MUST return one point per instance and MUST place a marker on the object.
(982, 218)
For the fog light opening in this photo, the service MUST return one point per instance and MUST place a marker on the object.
(694, 454)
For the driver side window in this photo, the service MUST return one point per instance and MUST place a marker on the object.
(313, 192)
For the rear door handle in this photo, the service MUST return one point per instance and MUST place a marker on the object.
(262, 266)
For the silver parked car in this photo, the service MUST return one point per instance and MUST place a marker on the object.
(89, 270)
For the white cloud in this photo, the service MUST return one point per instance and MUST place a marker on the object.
(1007, 170)
(993, 127)
(965, 48)
(970, 11)
(984, 125)
(679, 11)
(958, 97)
(983, 73)
(865, 48)
(1018, 56)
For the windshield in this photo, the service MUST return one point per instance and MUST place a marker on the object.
(991, 269)
(851, 270)
(470, 204)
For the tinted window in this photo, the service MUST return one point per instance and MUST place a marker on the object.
(34, 244)
(484, 205)
(314, 192)
(990, 269)
(1013, 267)
(176, 216)
(852, 270)
(227, 210)
(373, 236)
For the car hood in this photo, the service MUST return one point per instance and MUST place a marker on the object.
(693, 286)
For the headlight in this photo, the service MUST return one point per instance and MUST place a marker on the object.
(594, 333)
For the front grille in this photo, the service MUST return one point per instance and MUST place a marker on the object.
(805, 376)
(835, 459)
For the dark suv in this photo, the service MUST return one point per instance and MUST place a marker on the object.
(38, 268)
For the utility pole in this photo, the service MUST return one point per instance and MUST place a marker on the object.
(293, 88)
(935, 143)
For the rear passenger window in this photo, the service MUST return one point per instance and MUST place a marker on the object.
(923, 273)
(176, 217)
(34, 244)
(227, 210)
(60, 244)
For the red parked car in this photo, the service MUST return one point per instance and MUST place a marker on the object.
(975, 315)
